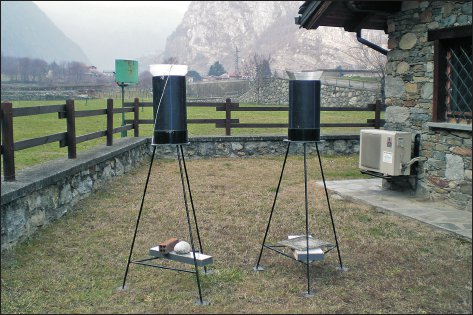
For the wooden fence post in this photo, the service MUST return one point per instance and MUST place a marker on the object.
(109, 122)
(136, 117)
(7, 142)
(228, 117)
(377, 114)
(71, 130)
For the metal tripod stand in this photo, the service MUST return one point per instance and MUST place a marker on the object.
(258, 267)
(145, 262)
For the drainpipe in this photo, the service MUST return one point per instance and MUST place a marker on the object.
(370, 44)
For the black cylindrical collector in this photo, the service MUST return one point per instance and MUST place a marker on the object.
(171, 120)
(304, 110)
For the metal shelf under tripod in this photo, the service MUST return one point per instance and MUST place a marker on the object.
(197, 258)
(258, 267)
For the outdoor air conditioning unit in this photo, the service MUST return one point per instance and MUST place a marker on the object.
(386, 152)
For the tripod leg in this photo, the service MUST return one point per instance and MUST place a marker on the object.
(138, 219)
(329, 208)
(201, 302)
(307, 294)
(192, 205)
(258, 267)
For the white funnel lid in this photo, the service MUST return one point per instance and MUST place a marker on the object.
(167, 69)
(304, 75)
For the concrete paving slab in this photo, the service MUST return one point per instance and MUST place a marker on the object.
(371, 192)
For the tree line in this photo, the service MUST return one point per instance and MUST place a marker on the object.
(35, 70)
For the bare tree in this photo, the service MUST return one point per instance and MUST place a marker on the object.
(262, 71)
(369, 58)
(262, 64)
(76, 71)
(10, 67)
(377, 62)
(54, 72)
(146, 79)
(248, 70)
(63, 71)
(39, 69)
(170, 60)
(24, 68)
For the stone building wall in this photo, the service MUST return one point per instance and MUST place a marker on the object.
(446, 174)
(276, 91)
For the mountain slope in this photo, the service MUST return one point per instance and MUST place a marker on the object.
(27, 32)
(211, 31)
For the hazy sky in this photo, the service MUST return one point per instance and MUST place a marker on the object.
(109, 30)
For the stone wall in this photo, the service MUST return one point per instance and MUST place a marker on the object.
(336, 96)
(44, 193)
(221, 89)
(34, 92)
(207, 147)
(446, 174)
(276, 91)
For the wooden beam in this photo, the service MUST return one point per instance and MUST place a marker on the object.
(71, 130)
(438, 99)
(29, 143)
(37, 110)
(314, 20)
(448, 33)
(357, 22)
(379, 6)
(109, 122)
(7, 142)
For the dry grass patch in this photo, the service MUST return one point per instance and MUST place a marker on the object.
(396, 265)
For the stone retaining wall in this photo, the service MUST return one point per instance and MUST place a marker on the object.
(44, 193)
(276, 91)
(207, 147)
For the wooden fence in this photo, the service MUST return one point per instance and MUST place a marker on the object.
(69, 138)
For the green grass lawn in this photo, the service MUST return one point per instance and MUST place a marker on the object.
(28, 127)
(396, 265)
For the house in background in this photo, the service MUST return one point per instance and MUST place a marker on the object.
(428, 84)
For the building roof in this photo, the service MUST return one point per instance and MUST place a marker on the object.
(351, 15)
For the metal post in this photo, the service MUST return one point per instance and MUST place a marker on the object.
(192, 206)
(138, 219)
(330, 209)
(136, 117)
(200, 302)
(122, 85)
(258, 267)
(306, 294)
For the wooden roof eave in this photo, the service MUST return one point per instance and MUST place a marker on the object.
(329, 13)
(312, 20)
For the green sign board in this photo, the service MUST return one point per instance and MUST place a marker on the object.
(126, 71)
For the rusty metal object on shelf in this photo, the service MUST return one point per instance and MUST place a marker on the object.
(168, 245)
